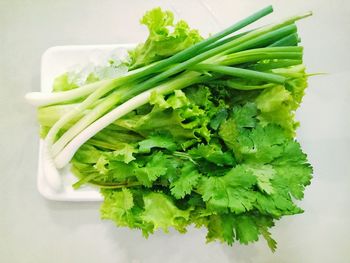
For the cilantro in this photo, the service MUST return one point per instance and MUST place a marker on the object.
(212, 153)
(157, 141)
(245, 116)
(186, 182)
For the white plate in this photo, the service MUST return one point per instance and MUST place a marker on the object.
(55, 61)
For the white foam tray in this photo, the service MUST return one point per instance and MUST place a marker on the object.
(55, 61)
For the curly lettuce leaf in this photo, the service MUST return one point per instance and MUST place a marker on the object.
(161, 212)
(165, 39)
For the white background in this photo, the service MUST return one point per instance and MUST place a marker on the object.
(33, 229)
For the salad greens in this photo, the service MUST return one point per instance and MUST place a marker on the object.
(189, 131)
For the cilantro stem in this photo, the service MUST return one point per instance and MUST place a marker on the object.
(115, 185)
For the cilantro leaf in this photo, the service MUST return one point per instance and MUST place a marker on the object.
(293, 170)
(246, 229)
(212, 153)
(263, 173)
(155, 167)
(244, 116)
(220, 227)
(228, 132)
(123, 154)
(262, 144)
(219, 118)
(187, 180)
(230, 191)
(157, 141)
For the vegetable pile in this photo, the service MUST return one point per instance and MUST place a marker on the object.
(186, 130)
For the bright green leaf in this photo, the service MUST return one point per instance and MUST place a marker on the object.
(162, 213)
(187, 180)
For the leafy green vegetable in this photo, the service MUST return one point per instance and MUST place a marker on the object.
(157, 141)
(197, 132)
(62, 83)
(117, 206)
(188, 179)
(165, 38)
(161, 212)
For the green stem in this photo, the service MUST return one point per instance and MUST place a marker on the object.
(84, 180)
(115, 185)
(86, 120)
(260, 54)
(262, 37)
(241, 86)
(270, 31)
(284, 63)
(297, 71)
(241, 73)
(224, 41)
(290, 40)
(51, 136)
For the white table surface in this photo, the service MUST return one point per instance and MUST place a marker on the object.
(33, 229)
